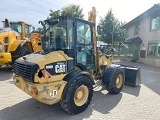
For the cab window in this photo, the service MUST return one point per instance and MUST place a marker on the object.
(84, 45)
(16, 27)
(27, 30)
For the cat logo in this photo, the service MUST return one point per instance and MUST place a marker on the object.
(60, 68)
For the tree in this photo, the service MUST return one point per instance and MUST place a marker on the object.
(111, 32)
(54, 14)
(73, 11)
(39, 29)
(107, 26)
(70, 10)
(111, 29)
(120, 36)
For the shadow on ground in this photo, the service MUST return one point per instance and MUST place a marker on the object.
(132, 90)
(5, 73)
(31, 109)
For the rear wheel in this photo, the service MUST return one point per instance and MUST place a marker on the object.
(114, 80)
(77, 95)
(81, 95)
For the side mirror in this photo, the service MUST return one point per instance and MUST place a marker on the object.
(7, 23)
(99, 30)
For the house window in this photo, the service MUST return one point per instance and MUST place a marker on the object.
(154, 48)
(155, 23)
(137, 29)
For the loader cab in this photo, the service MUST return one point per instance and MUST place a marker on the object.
(71, 35)
(23, 28)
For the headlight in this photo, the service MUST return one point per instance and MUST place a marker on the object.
(0, 47)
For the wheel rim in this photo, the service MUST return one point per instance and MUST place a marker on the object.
(81, 95)
(119, 81)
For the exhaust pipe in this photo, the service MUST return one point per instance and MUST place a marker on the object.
(6, 24)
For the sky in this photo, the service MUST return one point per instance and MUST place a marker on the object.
(32, 11)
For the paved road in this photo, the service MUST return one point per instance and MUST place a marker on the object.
(133, 103)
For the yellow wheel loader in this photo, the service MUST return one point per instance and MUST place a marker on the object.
(16, 40)
(65, 69)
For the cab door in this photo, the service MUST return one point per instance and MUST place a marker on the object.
(84, 45)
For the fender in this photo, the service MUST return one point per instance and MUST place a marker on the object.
(110, 70)
(72, 75)
(16, 46)
(16, 43)
(81, 66)
(27, 44)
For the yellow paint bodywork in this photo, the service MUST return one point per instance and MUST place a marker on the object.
(5, 58)
(14, 40)
(46, 84)
(14, 44)
(44, 90)
(42, 60)
(36, 40)
(103, 60)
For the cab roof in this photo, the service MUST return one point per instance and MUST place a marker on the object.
(61, 18)
(18, 22)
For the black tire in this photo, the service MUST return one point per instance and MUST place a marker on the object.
(24, 51)
(68, 97)
(110, 79)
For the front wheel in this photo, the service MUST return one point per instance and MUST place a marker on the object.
(77, 95)
(113, 80)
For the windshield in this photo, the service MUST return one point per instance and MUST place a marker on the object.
(16, 27)
(60, 35)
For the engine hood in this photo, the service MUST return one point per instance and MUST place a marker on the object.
(42, 60)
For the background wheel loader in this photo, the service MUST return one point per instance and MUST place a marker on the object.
(65, 69)
(16, 40)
